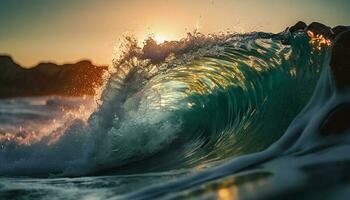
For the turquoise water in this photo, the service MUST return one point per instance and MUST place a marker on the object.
(207, 117)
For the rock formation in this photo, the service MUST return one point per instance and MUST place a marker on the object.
(76, 79)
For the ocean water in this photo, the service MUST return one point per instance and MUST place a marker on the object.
(228, 116)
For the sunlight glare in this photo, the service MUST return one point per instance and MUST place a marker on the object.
(160, 38)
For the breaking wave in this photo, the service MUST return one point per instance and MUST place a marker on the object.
(187, 104)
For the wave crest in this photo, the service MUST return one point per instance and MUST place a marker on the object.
(200, 100)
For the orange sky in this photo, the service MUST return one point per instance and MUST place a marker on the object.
(66, 31)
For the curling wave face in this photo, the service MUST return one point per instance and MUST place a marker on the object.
(230, 97)
(200, 101)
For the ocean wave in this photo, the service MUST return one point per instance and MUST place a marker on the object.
(200, 101)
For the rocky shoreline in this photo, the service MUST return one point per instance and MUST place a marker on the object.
(76, 79)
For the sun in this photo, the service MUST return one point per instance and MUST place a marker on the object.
(160, 38)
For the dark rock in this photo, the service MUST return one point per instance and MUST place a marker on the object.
(6, 60)
(298, 27)
(340, 60)
(337, 121)
(47, 68)
(76, 79)
(320, 29)
(9, 70)
(339, 29)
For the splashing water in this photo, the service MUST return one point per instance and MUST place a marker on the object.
(205, 107)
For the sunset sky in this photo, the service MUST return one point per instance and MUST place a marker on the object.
(69, 30)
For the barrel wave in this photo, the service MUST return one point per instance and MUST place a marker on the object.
(219, 99)
(188, 104)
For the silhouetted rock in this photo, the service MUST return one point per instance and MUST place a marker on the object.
(9, 70)
(339, 29)
(320, 29)
(337, 121)
(6, 60)
(49, 79)
(298, 26)
(340, 59)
